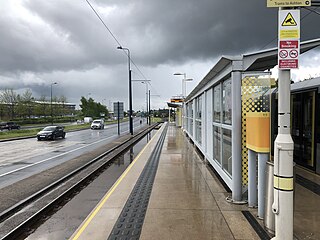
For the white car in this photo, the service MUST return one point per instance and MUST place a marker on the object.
(97, 124)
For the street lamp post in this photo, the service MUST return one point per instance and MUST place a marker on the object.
(146, 99)
(146, 83)
(184, 80)
(51, 101)
(149, 113)
(130, 91)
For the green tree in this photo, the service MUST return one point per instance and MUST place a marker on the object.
(90, 108)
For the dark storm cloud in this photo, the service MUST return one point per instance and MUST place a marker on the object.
(45, 41)
(157, 32)
(174, 31)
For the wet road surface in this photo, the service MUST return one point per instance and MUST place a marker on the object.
(23, 158)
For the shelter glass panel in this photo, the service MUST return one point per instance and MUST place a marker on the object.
(217, 104)
(227, 151)
(190, 118)
(198, 132)
(227, 102)
(198, 107)
(198, 116)
(217, 143)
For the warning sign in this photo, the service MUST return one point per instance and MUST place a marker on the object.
(288, 57)
(289, 34)
(288, 44)
(283, 54)
(289, 21)
(288, 64)
(293, 53)
(289, 39)
(289, 24)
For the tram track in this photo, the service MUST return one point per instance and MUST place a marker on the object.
(14, 220)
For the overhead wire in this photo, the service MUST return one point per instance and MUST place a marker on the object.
(312, 10)
(117, 41)
(105, 25)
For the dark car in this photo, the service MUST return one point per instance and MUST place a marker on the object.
(9, 126)
(51, 132)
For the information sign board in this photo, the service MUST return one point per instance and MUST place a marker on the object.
(288, 3)
(176, 100)
(118, 106)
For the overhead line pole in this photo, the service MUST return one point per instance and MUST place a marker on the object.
(149, 112)
(144, 82)
(51, 101)
(130, 90)
(118, 117)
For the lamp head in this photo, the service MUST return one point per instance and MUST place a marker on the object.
(119, 47)
(178, 74)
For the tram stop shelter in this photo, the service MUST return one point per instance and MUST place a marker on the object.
(214, 112)
(178, 114)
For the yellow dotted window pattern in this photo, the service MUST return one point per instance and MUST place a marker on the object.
(254, 98)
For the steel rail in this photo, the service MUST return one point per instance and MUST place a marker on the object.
(17, 207)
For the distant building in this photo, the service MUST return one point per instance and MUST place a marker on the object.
(35, 109)
(70, 106)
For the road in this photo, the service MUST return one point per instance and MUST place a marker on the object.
(23, 158)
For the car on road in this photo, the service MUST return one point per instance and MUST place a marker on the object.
(97, 124)
(51, 132)
(9, 126)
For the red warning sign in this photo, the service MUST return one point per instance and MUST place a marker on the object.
(283, 54)
(288, 54)
(293, 53)
(288, 63)
(288, 44)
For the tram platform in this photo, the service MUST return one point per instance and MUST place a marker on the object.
(179, 197)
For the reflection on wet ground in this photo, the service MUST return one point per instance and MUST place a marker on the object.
(64, 222)
(187, 201)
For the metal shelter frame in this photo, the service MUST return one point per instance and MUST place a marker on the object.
(231, 67)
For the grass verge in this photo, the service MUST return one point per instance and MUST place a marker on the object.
(34, 131)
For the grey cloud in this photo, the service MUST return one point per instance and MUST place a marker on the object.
(157, 32)
(64, 41)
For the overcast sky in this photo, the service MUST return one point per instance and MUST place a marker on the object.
(63, 41)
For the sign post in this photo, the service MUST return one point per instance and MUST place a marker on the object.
(288, 58)
(118, 111)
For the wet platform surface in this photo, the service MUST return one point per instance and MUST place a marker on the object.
(188, 201)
